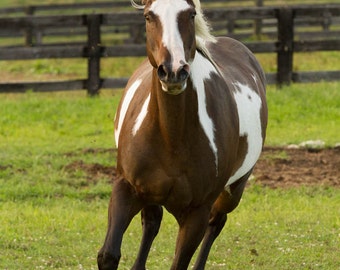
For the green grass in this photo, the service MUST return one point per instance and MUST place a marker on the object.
(304, 112)
(271, 229)
(48, 118)
(62, 69)
(59, 233)
(296, 113)
(53, 217)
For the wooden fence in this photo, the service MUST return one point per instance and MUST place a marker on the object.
(33, 36)
(282, 26)
(112, 6)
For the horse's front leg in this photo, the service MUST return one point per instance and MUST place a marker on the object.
(192, 226)
(151, 221)
(124, 205)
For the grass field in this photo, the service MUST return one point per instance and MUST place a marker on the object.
(55, 218)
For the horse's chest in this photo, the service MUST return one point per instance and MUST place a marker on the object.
(179, 177)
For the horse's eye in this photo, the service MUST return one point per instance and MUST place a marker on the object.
(148, 16)
(193, 15)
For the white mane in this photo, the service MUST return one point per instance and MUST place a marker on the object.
(201, 24)
(202, 30)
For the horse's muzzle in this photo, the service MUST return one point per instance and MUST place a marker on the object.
(173, 82)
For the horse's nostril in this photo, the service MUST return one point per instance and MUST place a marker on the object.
(162, 74)
(166, 75)
(182, 74)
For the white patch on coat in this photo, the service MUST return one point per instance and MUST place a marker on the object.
(167, 12)
(248, 107)
(201, 70)
(125, 105)
(141, 116)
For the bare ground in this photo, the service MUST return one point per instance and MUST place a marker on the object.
(277, 167)
(282, 167)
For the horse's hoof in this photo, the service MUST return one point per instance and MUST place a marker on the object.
(106, 261)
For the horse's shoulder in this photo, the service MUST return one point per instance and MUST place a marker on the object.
(143, 73)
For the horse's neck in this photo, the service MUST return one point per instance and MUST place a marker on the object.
(170, 112)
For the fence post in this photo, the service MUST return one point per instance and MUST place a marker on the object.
(93, 83)
(29, 11)
(285, 46)
(258, 22)
(231, 24)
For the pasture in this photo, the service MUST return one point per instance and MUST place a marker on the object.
(53, 214)
(57, 157)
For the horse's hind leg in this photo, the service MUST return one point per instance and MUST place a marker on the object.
(151, 221)
(216, 224)
(192, 225)
(225, 203)
(124, 205)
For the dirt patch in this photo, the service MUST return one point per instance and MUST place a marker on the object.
(277, 167)
(94, 171)
(282, 167)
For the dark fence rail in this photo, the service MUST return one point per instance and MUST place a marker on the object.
(285, 43)
(114, 5)
(33, 36)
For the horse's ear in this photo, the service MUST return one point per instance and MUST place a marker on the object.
(138, 4)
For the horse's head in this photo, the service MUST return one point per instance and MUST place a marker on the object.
(170, 34)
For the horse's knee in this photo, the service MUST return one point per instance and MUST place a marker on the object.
(152, 217)
(107, 261)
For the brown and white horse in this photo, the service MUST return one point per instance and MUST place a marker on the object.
(189, 130)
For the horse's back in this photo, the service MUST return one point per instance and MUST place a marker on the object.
(237, 62)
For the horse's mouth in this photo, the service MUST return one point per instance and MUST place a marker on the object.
(174, 88)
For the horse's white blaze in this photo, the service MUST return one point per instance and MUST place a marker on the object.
(167, 12)
(141, 116)
(248, 107)
(125, 105)
(201, 70)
